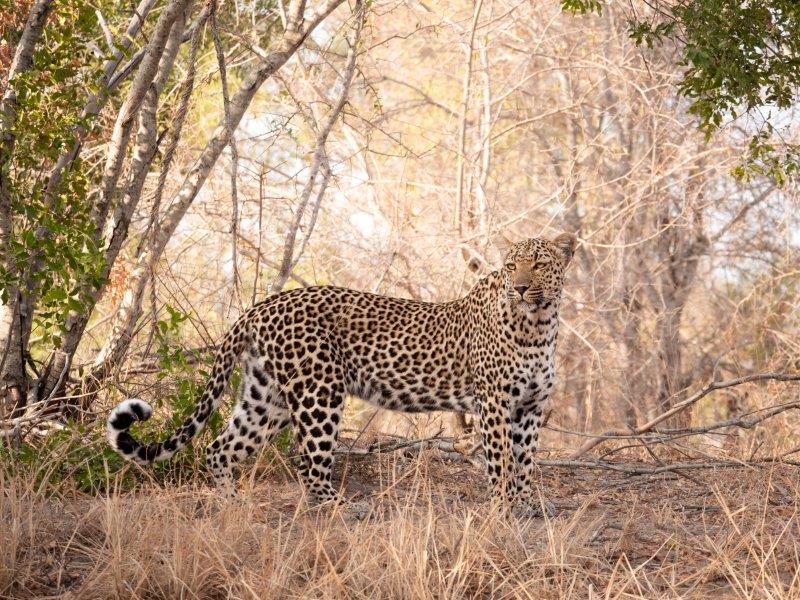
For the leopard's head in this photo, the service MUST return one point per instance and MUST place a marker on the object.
(533, 272)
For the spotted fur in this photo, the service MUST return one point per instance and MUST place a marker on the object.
(301, 351)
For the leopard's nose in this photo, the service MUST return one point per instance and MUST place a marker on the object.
(521, 289)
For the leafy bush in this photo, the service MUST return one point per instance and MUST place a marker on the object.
(78, 455)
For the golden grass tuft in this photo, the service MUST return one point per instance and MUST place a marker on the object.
(431, 534)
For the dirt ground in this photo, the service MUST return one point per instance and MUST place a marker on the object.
(431, 531)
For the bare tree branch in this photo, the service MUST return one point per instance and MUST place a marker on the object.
(320, 160)
(462, 128)
(707, 389)
(234, 170)
(118, 142)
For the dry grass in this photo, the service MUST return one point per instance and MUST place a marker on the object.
(431, 534)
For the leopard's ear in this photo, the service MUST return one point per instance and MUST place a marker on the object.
(566, 243)
(472, 261)
(503, 242)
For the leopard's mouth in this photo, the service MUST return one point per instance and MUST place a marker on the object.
(531, 302)
(532, 297)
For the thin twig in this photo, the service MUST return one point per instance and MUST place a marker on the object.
(707, 389)
(226, 104)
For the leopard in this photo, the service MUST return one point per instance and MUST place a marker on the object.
(301, 352)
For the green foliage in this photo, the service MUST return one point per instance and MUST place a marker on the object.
(581, 6)
(79, 457)
(79, 454)
(179, 366)
(779, 161)
(55, 230)
(76, 456)
(648, 33)
(283, 441)
(58, 234)
(740, 58)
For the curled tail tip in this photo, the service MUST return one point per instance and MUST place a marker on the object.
(125, 413)
(120, 420)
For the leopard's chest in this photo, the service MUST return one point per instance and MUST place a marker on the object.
(526, 364)
(533, 361)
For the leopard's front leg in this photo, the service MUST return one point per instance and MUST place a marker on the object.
(526, 421)
(495, 427)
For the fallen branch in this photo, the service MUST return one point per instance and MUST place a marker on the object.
(455, 449)
(462, 450)
(742, 422)
(642, 469)
(380, 447)
(681, 406)
(745, 421)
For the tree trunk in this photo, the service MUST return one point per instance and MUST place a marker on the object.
(13, 307)
(680, 248)
(118, 144)
(117, 229)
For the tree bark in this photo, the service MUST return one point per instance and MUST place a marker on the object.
(13, 341)
(466, 87)
(118, 144)
(95, 102)
(117, 228)
(115, 232)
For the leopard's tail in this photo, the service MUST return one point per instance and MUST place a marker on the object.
(123, 416)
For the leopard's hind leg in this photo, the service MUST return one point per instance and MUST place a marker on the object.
(256, 419)
(316, 405)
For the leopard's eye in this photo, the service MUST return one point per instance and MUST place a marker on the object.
(511, 266)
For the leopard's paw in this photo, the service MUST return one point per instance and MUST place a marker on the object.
(534, 509)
